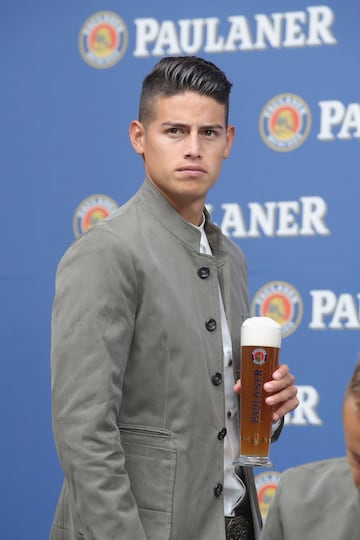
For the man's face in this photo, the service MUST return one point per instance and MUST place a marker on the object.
(183, 147)
(352, 437)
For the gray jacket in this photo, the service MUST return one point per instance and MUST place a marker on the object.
(315, 501)
(137, 363)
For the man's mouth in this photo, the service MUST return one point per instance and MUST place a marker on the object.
(192, 170)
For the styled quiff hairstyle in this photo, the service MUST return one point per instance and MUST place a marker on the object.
(178, 74)
(353, 389)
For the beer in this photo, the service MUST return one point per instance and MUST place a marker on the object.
(260, 349)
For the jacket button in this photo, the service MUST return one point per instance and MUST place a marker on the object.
(221, 434)
(218, 490)
(204, 272)
(210, 325)
(216, 379)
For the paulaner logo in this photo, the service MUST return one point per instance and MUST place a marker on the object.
(92, 210)
(103, 39)
(266, 486)
(280, 301)
(259, 356)
(285, 122)
(308, 28)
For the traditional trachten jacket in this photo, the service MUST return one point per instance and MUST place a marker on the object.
(315, 501)
(137, 376)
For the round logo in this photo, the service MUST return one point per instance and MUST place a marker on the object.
(103, 39)
(280, 301)
(285, 122)
(92, 210)
(259, 356)
(266, 486)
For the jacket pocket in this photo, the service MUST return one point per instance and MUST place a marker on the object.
(150, 461)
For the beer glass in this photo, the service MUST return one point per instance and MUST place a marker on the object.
(260, 349)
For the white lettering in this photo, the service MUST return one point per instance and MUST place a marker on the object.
(320, 22)
(306, 413)
(189, 36)
(344, 311)
(324, 303)
(188, 28)
(285, 218)
(334, 113)
(294, 35)
(271, 30)
(351, 122)
(313, 216)
(146, 32)
(167, 41)
(287, 224)
(345, 314)
(214, 43)
(233, 220)
(263, 217)
(239, 31)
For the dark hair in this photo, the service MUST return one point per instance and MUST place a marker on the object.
(179, 74)
(353, 389)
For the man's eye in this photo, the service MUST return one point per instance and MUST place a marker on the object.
(174, 131)
(209, 133)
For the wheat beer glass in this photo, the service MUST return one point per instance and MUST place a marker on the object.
(260, 348)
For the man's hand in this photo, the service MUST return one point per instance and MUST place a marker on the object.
(282, 392)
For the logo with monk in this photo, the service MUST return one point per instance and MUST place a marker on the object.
(285, 122)
(103, 39)
(280, 301)
(266, 486)
(90, 211)
(259, 356)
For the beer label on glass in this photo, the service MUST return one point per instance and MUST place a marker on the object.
(259, 356)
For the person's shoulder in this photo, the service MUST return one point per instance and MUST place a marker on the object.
(320, 465)
(313, 479)
(122, 216)
(323, 468)
(107, 238)
(118, 224)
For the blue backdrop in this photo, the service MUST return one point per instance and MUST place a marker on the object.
(288, 195)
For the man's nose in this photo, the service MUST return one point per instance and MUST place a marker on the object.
(193, 146)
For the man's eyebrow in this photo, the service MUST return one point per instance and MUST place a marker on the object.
(213, 126)
(174, 124)
(182, 125)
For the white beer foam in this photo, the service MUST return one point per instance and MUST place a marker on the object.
(261, 331)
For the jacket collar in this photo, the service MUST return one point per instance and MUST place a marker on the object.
(162, 210)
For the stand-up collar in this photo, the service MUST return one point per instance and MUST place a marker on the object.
(184, 231)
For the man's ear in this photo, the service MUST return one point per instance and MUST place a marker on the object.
(230, 135)
(136, 134)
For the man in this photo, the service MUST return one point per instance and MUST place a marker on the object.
(145, 345)
(322, 499)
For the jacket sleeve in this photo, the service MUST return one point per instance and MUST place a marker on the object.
(92, 327)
